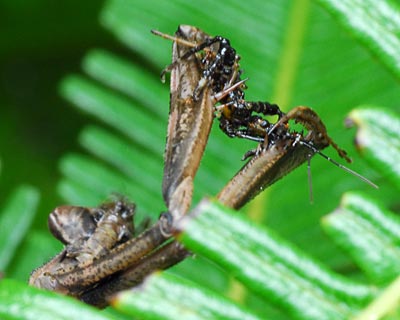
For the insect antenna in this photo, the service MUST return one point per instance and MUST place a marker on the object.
(173, 38)
(356, 174)
(310, 188)
(177, 40)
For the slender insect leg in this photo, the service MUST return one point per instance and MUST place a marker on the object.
(162, 259)
(189, 125)
(117, 260)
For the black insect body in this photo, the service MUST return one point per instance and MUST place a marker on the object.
(221, 70)
(237, 119)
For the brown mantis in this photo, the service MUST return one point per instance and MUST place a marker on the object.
(103, 255)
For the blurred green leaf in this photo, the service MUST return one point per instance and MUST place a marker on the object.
(15, 220)
(37, 248)
(375, 23)
(128, 78)
(164, 296)
(369, 234)
(73, 192)
(103, 181)
(114, 110)
(18, 301)
(139, 166)
(271, 267)
(378, 139)
(385, 306)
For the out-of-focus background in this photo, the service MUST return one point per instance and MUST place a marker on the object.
(41, 42)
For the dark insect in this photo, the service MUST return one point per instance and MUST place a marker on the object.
(220, 71)
(241, 118)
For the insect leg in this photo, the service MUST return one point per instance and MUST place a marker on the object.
(164, 258)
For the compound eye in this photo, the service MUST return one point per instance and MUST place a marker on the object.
(70, 223)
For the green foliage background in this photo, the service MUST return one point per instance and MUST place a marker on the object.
(294, 52)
